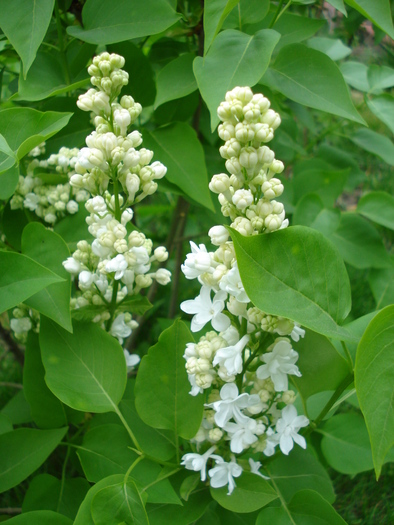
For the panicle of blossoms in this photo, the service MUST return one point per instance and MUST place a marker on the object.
(117, 264)
(49, 202)
(244, 363)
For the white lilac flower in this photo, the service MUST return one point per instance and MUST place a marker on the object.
(197, 262)
(117, 265)
(243, 435)
(23, 324)
(119, 328)
(288, 427)
(232, 284)
(271, 441)
(198, 462)
(31, 201)
(132, 360)
(279, 363)
(297, 332)
(72, 265)
(231, 404)
(207, 310)
(231, 356)
(224, 473)
(255, 467)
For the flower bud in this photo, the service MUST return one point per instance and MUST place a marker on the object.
(218, 235)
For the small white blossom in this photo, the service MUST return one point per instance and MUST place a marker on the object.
(288, 427)
(207, 310)
(279, 364)
(231, 404)
(118, 265)
(224, 473)
(255, 467)
(198, 462)
(231, 356)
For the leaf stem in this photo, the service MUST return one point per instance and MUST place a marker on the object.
(129, 431)
(279, 12)
(61, 44)
(134, 464)
(161, 479)
(348, 356)
(63, 479)
(341, 388)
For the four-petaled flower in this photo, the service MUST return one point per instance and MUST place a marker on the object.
(206, 310)
(231, 356)
(224, 473)
(279, 364)
(198, 462)
(230, 405)
(287, 428)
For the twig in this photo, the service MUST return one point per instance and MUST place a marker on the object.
(11, 385)
(11, 510)
(12, 345)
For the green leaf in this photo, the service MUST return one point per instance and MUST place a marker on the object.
(176, 80)
(251, 493)
(380, 77)
(378, 206)
(73, 228)
(293, 28)
(375, 143)
(327, 184)
(27, 449)
(191, 510)
(17, 409)
(298, 471)
(215, 13)
(45, 492)
(105, 450)
(25, 26)
(332, 47)
(311, 78)
(383, 108)
(86, 370)
(381, 282)
(155, 443)
(345, 444)
(46, 79)
(359, 242)
(26, 128)
(8, 181)
(107, 23)
(373, 380)
(40, 517)
(46, 410)
(355, 74)
(162, 387)
(20, 278)
(296, 273)
(5, 424)
(321, 366)
(117, 504)
(49, 249)
(338, 4)
(306, 508)
(142, 85)
(84, 516)
(378, 11)
(5, 148)
(234, 58)
(247, 12)
(178, 148)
